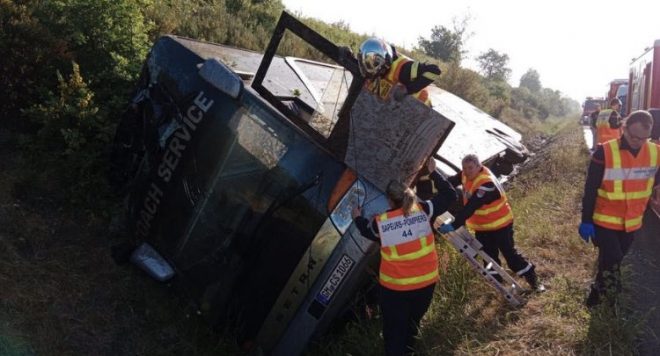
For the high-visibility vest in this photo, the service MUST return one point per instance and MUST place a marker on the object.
(492, 216)
(382, 86)
(626, 187)
(409, 260)
(604, 132)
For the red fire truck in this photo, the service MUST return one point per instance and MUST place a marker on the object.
(614, 90)
(644, 84)
(644, 79)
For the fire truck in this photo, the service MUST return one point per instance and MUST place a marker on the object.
(589, 106)
(644, 85)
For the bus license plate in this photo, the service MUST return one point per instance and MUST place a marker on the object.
(332, 284)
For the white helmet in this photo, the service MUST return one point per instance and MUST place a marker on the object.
(374, 58)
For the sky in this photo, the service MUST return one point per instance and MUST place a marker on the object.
(577, 47)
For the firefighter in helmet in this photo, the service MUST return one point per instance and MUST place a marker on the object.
(392, 75)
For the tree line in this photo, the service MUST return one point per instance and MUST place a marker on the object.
(67, 69)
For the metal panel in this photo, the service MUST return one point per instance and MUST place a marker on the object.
(392, 140)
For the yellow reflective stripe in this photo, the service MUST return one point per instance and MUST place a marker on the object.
(634, 221)
(490, 210)
(604, 118)
(479, 181)
(616, 154)
(430, 75)
(394, 68)
(395, 253)
(383, 216)
(627, 195)
(654, 154)
(608, 219)
(409, 280)
(618, 186)
(495, 223)
(616, 163)
(425, 250)
(413, 70)
(617, 220)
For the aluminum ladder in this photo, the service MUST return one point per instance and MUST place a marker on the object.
(471, 249)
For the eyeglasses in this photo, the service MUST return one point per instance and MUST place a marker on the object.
(638, 138)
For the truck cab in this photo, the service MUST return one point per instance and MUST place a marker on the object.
(589, 106)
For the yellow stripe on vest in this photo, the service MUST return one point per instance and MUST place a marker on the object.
(617, 220)
(490, 210)
(425, 250)
(494, 224)
(410, 280)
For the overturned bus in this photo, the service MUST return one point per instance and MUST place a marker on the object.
(241, 170)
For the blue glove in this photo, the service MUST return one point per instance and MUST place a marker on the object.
(587, 231)
(445, 228)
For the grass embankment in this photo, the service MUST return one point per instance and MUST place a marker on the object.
(61, 293)
(468, 317)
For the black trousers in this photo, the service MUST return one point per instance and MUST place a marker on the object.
(402, 312)
(612, 246)
(501, 240)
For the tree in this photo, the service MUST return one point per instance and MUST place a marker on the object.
(28, 50)
(531, 80)
(494, 65)
(447, 44)
(464, 83)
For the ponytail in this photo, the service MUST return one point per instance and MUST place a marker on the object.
(402, 196)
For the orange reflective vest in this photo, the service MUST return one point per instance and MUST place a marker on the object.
(626, 187)
(604, 132)
(492, 216)
(383, 86)
(409, 260)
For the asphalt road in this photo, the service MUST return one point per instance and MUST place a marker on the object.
(588, 136)
(644, 260)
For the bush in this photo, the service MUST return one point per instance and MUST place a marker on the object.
(27, 48)
(71, 138)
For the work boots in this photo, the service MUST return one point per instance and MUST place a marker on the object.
(533, 280)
